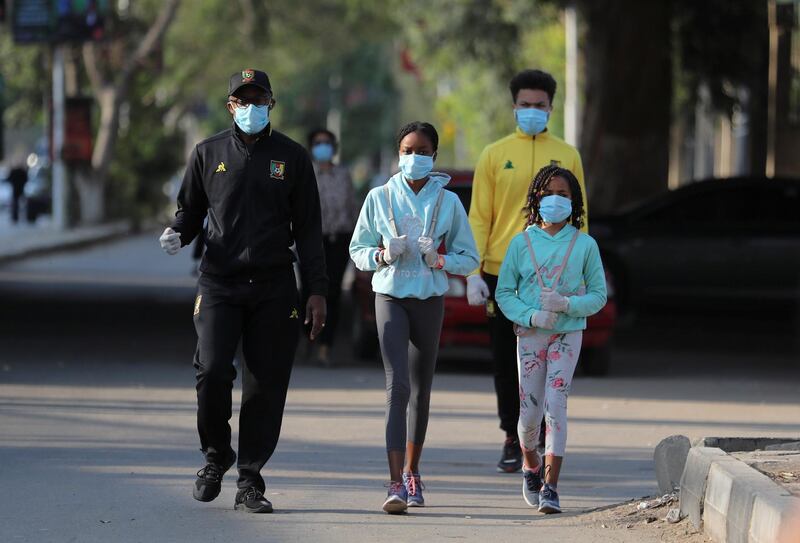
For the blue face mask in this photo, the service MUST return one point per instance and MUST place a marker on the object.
(416, 166)
(531, 120)
(322, 152)
(251, 119)
(555, 208)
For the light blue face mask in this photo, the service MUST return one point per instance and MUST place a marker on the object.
(415, 166)
(322, 152)
(251, 119)
(531, 120)
(555, 208)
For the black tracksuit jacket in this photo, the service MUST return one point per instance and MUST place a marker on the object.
(259, 200)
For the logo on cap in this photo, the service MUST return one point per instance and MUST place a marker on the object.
(248, 75)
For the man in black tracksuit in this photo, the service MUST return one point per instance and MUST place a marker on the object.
(257, 189)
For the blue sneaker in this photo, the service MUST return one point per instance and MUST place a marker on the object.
(397, 499)
(414, 487)
(531, 485)
(548, 500)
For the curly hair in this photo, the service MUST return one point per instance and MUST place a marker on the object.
(539, 184)
(532, 79)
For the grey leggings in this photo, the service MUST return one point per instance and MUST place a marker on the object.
(408, 329)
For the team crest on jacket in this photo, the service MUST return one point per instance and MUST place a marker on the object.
(277, 169)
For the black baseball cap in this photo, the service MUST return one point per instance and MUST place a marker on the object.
(249, 77)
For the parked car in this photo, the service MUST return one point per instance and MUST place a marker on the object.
(465, 325)
(735, 239)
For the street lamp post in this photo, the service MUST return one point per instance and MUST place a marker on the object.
(59, 171)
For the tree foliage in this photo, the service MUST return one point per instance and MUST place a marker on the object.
(470, 56)
(383, 63)
(26, 75)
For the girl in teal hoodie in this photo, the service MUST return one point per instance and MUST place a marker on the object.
(399, 231)
(551, 279)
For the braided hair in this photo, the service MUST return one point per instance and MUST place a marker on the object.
(539, 184)
(422, 127)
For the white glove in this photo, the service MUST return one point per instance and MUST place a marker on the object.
(170, 241)
(544, 319)
(394, 249)
(477, 290)
(428, 251)
(553, 301)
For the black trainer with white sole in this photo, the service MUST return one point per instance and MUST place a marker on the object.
(511, 461)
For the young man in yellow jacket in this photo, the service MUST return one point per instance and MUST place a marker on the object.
(503, 174)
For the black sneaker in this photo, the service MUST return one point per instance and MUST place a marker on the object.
(209, 480)
(252, 500)
(511, 461)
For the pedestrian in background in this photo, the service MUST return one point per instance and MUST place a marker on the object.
(257, 188)
(502, 177)
(399, 231)
(17, 178)
(551, 280)
(339, 212)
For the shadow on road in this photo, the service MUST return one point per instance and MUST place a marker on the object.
(109, 318)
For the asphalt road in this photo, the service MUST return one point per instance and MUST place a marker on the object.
(97, 436)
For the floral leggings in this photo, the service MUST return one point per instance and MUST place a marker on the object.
(546, 363)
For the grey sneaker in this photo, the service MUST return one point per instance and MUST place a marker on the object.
(548, 500)
(397, 499)
(531, 485)
(414, 487)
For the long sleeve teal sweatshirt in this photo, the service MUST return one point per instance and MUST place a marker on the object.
(409, 276)
(583, 280)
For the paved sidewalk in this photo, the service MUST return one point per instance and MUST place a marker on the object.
(22, 240)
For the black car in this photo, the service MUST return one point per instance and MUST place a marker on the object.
(735, 239)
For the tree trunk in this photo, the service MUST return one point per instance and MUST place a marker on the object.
(110, 95)
(625, 138)
(91, 196)
(758, 99)
(91, 184)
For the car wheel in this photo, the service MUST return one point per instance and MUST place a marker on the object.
(596, 361)
(365, 339)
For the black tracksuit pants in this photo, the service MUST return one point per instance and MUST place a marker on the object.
(504, 355)
(266, 317)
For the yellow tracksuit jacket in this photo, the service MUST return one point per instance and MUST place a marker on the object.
(503, 175)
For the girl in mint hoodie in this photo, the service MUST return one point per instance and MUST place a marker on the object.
(399, 231)
(551, 279)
